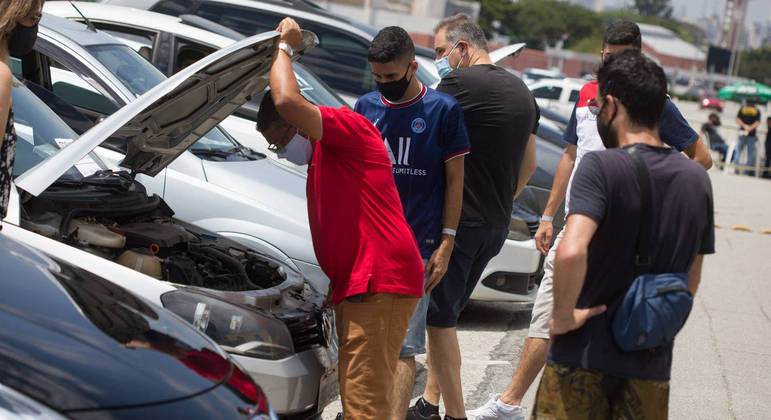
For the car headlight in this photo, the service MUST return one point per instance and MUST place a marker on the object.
(236, 329)
(15, 405)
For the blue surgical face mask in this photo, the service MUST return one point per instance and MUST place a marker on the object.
(443, 64)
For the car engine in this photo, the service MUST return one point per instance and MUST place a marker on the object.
(111, 215)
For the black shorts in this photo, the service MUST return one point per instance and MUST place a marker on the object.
(474, 248)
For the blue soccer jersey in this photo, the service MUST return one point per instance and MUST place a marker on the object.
(420, 135)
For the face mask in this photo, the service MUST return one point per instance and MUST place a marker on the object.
(608, 140)
(393, 91)
(443, 64)
(22, 40)
(298, 151)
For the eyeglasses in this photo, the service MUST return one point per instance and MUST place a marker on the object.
(274, 146)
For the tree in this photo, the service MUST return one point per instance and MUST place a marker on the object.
(659, 8)
(756, 64)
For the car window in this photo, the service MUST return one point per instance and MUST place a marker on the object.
(140, 40)
(241, 19)
(340, 60)
(136, 74)
(547, 92)
(574, 95)
(172, 7)
(41, 134)
(188, 52)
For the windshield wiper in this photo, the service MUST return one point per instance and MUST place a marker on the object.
(221, 153)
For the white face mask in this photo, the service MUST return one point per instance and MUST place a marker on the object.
(298, 151)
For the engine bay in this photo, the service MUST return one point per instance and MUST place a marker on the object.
(111, 215)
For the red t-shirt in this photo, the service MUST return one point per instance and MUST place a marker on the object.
(360, 236)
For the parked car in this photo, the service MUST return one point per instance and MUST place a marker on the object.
(532, 75)
(78, 346)
(230, 207)
(710, 100)
(252, 200)
(81, 202)
(559, 95)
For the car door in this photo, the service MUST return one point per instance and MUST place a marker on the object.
(547, 95)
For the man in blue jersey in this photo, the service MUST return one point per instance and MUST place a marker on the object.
(425, 136)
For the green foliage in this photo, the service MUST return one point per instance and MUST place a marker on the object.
(539, 23)
(659, 8)
(756, 64)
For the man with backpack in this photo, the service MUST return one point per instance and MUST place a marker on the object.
(661, 204)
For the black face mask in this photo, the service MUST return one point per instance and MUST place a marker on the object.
(608, 140)
(22, 40)
(393, 91)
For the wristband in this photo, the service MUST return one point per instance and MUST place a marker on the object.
(283, 46)
(448, 231)
(546, 218)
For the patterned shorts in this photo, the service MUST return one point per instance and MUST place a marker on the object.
(572, 393)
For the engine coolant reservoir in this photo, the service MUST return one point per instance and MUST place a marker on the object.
(145, 264)
(95, 234)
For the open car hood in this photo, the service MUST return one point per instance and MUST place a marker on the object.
(506, 51)
(162, 123)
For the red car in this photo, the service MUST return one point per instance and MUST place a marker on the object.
(710, 100)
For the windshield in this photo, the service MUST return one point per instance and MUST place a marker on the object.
(139, 76)
(314, 89)
(41, 134)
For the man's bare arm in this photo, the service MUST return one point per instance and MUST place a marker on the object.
(453, 201)
(699, 152)
(291, 105)
(694, 274)
(527, 168)
(559, 187)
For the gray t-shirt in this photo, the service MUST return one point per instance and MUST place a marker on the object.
(605, 189)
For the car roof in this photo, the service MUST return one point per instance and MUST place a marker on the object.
(136, 17)
(75, 32)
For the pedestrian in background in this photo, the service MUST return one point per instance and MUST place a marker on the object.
(360, 236)
(18, 32)
(425, 136)
(748, 119)
(596, 262)
(501, 117)
(767, 172)
(582, 136)
(716, 142)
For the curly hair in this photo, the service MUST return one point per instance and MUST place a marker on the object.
(638, 83)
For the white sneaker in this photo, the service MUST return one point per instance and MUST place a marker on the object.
(492, 410)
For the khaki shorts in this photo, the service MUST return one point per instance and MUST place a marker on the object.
(544, 300)
(370, 331)
(567, 392)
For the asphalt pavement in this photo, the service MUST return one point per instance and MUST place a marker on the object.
(722, 359)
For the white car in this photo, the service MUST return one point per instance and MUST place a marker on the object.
(558, 95)
(70, 195)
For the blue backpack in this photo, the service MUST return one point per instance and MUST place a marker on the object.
(656, 306)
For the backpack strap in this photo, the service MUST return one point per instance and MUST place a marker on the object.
(644, 245)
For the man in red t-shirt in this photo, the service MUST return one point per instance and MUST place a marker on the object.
(360, 236)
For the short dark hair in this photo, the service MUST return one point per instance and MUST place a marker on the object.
(638, 83)
(460, 27)
(622, 32)
(392, 43)
(268, 115)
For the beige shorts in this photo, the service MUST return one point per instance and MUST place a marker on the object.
(544, 300)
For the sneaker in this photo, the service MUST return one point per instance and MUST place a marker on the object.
(413, 413)
(493, 411)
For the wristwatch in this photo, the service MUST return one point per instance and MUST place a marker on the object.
(286, 48)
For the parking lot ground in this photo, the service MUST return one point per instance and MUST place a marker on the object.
(722, 359)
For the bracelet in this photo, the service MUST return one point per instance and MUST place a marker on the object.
(285, 47)
(448, 231)
(546, 218)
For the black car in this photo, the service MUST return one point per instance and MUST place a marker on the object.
(75, 345)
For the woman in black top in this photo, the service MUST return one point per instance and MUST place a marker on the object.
(18, 31)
